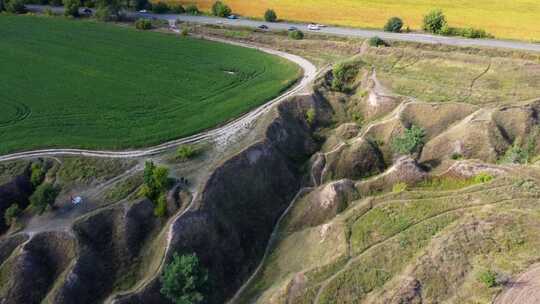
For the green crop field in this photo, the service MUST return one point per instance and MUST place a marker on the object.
(77, 84)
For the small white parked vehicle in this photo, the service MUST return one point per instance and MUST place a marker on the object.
(143, 11)
(313, 27)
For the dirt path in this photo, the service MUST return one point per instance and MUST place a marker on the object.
(524, 289)
(302, 87)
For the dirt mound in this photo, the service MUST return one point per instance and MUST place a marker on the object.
(360, 159)
(321, 204)
(405, 170)
(8, 245)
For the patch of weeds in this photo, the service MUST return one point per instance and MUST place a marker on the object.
(358, 118)
(310, 116)
(399, 187)
(456, 156)
(488, 278)
(186, 152)
(410, 142)
(86, 170)
(124, 188)
(445, 183)
(483, 178)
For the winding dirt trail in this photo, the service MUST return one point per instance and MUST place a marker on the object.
(310, 72)
(524, 289)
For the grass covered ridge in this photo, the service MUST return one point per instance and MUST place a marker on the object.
(90, 85)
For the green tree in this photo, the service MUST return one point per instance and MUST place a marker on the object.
(434, 21)
(143, 24)
(142, 4)
(43, 197)
(37, 174)
(220, 9)
(411, 141)
(270, 15)
(296, 35)
(160, 8)
(71, 8)
(394, 25)
(185, 152)
(177, 9)
(15, 6)
(192, 10)
(160, 209)
(184, 280)
(12, 213)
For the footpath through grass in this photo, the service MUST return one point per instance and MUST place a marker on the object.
(80, 84)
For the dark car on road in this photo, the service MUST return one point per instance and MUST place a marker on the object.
(263, 27)
(292, 29)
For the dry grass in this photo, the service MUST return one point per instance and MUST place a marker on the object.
(514, 19)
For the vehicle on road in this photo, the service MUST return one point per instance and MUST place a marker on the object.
(263, 27)
(321, 25)
(292, 29)
(313, 27)
(232, 17)
(87, 11)
(143, 11)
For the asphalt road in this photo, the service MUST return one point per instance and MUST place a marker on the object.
(340, 31)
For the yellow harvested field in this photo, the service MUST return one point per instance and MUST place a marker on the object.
(513, 19)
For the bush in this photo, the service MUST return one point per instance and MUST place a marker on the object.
(270, 15)
(37, 174)
(192, 10)
(12, 213)
(468, 32)
(219, 9)
(376, 42)
(185, 152)
(342, 74)
(184, 280)
(160, 210)
(103, 13)
(310, 116)
(296, 35)
(410, 142)
(71, 8)
(434, 21)
(43, 197)
(156, 181)
(160, 8)
(489, 278)
(394, 25)
(143, 24)
(399, 187)
(184, 32)
(177, 9)
(483, 178)
(15, 6)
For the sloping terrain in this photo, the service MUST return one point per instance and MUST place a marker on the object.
(310, 203)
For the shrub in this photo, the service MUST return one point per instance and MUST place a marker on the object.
(410, 142)
(399, 187)
(220, 9)
(394, 25)
(296, 35)
(160, 210)
(434, 21)
(177, 9)
(342, 74)
(488, 278)
(160, 8)
(48, 12)
(310, 116)
(468, 32)
(15, 6)
(71, 8)
(270, 15)
(184, 32)
(103, 13)
(12, 213)
(376, 42)
(192, 10)
(43, 197)
(483, 178)
(456, 156)
(515, 154)
(156, 181)
(37, 174)
(143, 24)
(184, 280)
(185, 152)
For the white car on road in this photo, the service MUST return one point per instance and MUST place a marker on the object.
(313, 27)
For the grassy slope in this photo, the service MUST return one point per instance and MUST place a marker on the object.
(517, 19)
(83, 84)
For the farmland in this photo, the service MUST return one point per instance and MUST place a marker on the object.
(80, 84)
(514, 19)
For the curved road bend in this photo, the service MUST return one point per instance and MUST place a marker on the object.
(340, 31)
(310, 72)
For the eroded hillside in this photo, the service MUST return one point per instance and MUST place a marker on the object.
(314, 202)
